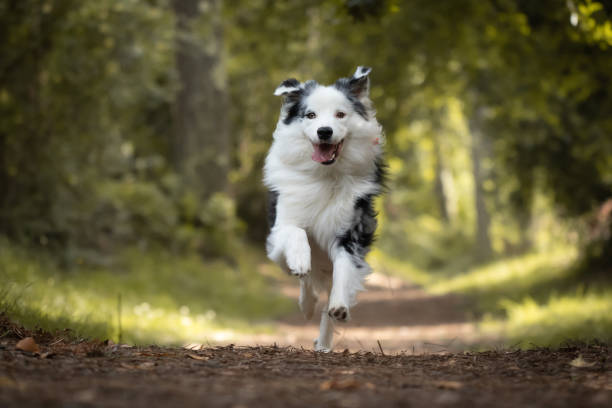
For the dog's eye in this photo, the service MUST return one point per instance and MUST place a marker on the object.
(311, 115)
(340, 115)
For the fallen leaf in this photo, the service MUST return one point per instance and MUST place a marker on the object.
(47, 354)
(28, 344)
(147, 365)
(449, 385)
(197, 357)
(347, 384)
(579, 362)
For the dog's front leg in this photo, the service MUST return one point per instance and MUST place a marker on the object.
(346, 282)
(288, 246)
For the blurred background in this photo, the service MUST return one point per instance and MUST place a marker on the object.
(133, 134)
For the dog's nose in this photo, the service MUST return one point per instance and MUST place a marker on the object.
(325, 133)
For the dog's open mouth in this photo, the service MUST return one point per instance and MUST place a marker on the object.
(326, 153)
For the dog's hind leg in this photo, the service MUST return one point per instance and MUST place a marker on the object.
(326, 333)
(308, 298)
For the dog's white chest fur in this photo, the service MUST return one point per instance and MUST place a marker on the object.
(323, 206)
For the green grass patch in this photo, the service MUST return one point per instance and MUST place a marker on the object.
(165, 298)
(579, 316)
(537, 299)
(534, 274)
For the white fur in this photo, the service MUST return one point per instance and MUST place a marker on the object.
(316, 202)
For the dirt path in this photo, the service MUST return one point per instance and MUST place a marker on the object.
(401, 316)
(97, 374)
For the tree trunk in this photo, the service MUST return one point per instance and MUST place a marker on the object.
(483, 220)
(439, 181)
(201, 136)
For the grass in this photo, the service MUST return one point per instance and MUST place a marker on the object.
(164, 298)
(580, 316)
(536, 299)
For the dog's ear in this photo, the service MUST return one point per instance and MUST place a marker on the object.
(359, 84)
(290, 89)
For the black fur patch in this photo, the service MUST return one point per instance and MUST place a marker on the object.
(296, 107)
(295, 111)
(360, 236)
(290, 83)
(381, 173)
(344, 85)
(272, 201)
(357, 240)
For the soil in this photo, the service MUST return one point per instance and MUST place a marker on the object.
(84, 374)
(383, 358)
(401, 316)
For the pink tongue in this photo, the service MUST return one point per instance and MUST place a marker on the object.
(323, 152)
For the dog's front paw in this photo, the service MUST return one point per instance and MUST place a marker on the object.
(339, 313)
(298, 258)
(318, 346)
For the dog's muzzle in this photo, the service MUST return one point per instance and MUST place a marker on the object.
(326, 153)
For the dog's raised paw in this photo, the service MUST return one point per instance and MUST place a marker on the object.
(298, 259)
(340, 313)
(299, 267)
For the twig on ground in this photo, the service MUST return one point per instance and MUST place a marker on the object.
(119, 331)
(380, 347)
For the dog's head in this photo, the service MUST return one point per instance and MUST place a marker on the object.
(328, 117)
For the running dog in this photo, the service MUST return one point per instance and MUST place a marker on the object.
(323, 171)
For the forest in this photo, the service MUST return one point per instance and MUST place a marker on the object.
(133, 135)
(133, 226)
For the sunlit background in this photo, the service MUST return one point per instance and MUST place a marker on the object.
(133, 133)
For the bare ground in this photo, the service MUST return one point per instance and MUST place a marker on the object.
(398, 315)
(98, 374)
(413, 366)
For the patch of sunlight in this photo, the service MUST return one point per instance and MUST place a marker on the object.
(387, 265)
(157, 296)
(519, 272)
(579, 316)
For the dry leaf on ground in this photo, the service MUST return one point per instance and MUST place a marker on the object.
(449, 385)
(347, 384)
(197, 357)
(579, 362)
(28, 344)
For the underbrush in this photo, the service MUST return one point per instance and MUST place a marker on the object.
(144, 297)
(536, 299)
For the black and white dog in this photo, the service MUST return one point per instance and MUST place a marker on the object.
(323, 171)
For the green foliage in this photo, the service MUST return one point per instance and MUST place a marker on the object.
(575, 316)
(536, 299)
(76, 82)
(164, 298)
(88, 90)
(497, 120)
